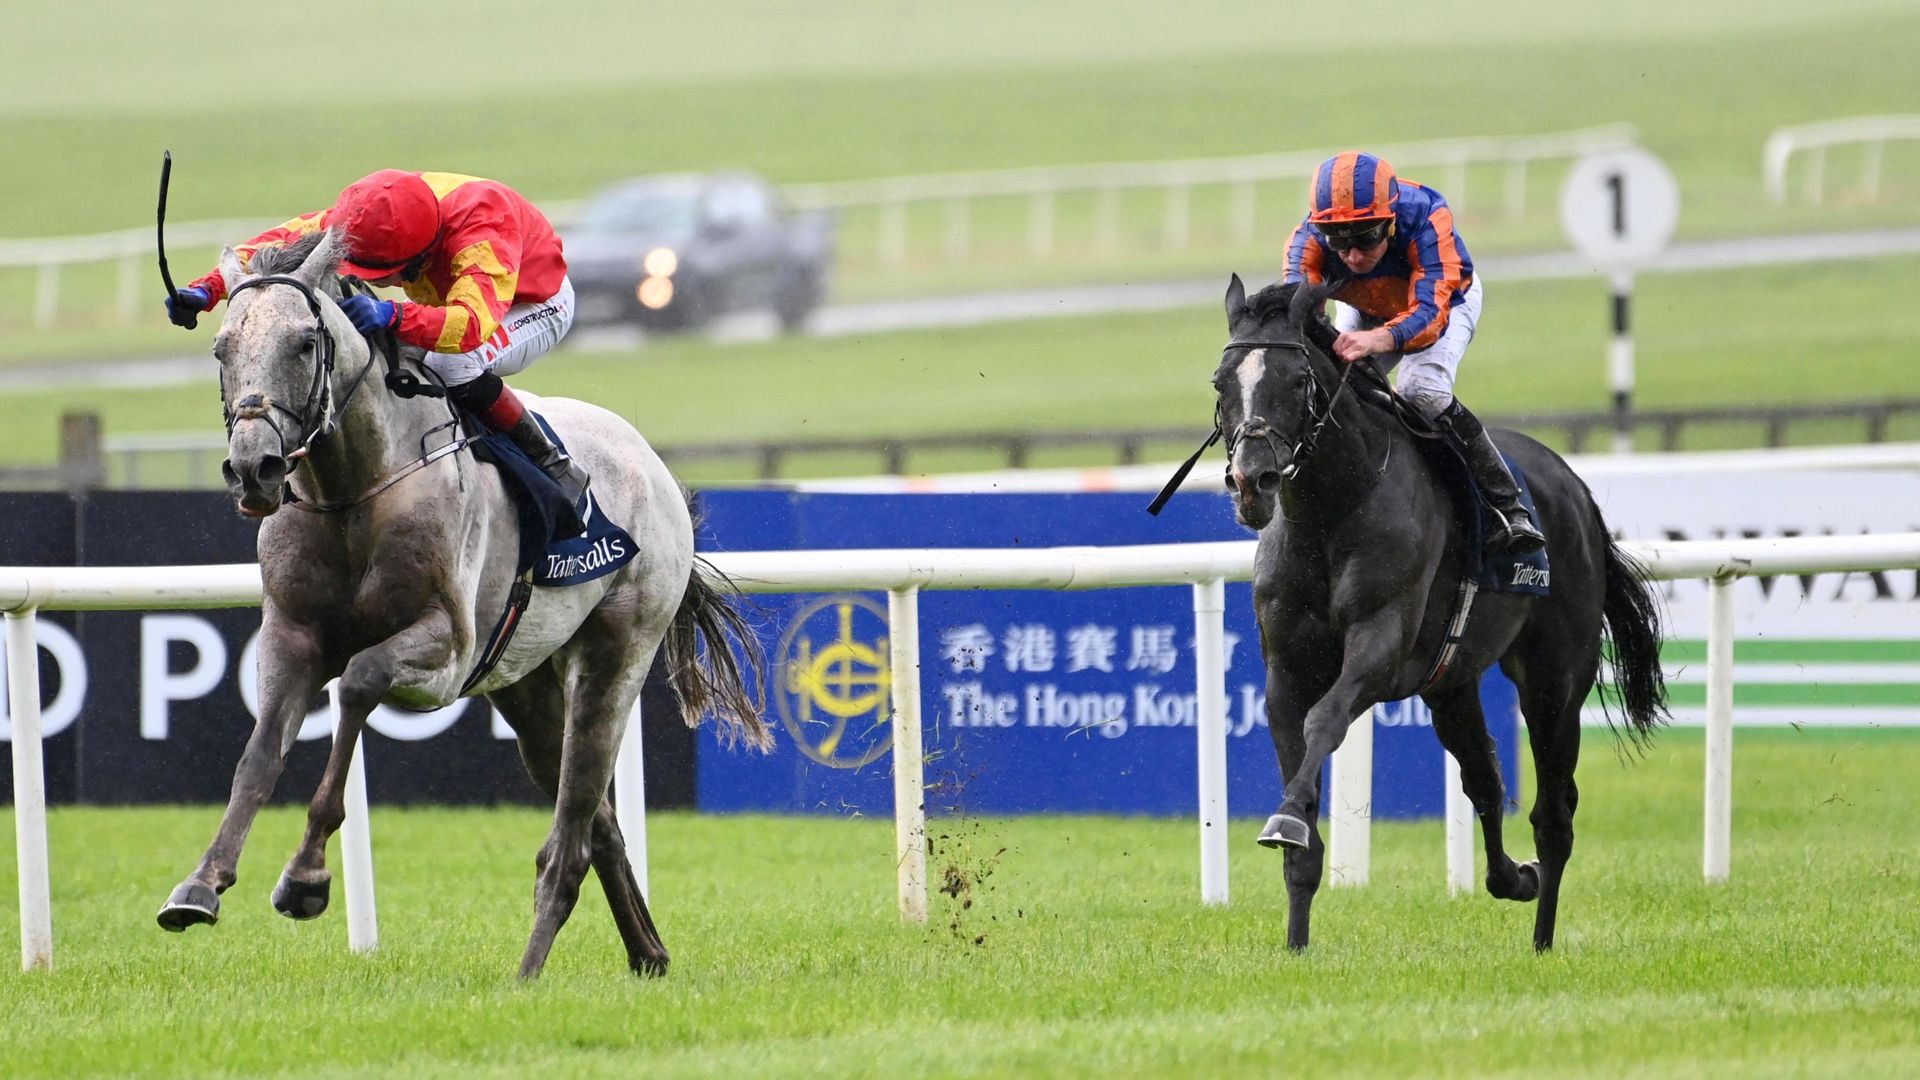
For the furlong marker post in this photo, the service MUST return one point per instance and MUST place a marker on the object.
(909, 791)
(356, 843)
(1210, 728)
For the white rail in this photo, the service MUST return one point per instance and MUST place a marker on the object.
(23, 591)
(889, 198)
(1871, 133)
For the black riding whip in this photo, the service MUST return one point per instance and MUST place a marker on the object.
(160, 233)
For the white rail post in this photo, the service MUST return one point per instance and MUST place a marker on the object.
(1517, 189)
(959, 244)
(909, 795)
(1106, 220)
(1459, 831)
(1817, 175)
(1240, 215)
(129, 288)
(46, 296)
(29, 791)
(892, 233)
(1870, 169)
(1175, 233)
(1210, 728)
(1350, 806)
(356, 843)
(630, 798)
(1040, 224)
(1716, 856)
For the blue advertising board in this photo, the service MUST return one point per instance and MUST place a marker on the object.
(1033, 701)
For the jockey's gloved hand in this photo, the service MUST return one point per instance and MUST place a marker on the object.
(369, 314)
(185, 305)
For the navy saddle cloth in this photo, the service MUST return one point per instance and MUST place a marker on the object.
(562, 544)
(1503, 571)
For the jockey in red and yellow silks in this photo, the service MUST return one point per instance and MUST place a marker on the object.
(485, 278)
(1411, 295)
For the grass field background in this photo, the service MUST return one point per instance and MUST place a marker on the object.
(269, 113)
(1773, 335)
(1084, 951)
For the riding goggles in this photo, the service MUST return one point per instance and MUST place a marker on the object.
(1349, 238)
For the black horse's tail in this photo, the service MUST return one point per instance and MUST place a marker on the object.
(1632, 613)
(715, 679)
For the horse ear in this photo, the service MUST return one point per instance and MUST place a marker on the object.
(324, 261)
(1236, 299)
(230, 269)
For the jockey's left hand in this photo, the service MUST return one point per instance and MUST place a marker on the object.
(368, 314)
(1360, 344)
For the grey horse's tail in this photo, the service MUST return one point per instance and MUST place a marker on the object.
(1632, 613)
(715, 680)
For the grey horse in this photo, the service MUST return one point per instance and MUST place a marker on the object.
(394, 577)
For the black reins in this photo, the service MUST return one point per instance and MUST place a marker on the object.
(1316, 418)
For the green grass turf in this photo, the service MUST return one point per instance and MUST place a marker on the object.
(1084, 951)
(269, 113)
(1824, 332)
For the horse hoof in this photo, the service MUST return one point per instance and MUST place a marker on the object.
(190, 905)
(652, 967)
(1529, 889)
(1284, 830)
(302, 899)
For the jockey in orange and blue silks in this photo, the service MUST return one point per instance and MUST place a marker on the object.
(485, 279)
(1410, 294)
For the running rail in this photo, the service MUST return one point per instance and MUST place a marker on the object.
(903, 573)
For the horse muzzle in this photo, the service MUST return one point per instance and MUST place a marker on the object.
(255, 478)
(1254, 478)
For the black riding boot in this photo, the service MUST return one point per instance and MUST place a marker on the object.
(529, 436)
(1517, 532)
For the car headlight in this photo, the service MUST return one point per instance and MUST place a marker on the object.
(655, 292)
(661, 262)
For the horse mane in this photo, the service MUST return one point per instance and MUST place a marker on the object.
(286, 258)
(1301, 305)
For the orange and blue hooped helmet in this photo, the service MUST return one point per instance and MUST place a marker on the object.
(1353, 188)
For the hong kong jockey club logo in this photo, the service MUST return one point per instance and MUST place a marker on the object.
(835, 682)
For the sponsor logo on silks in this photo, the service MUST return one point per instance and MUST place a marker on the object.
(834, 681)
(1531, 576)
(547, 312)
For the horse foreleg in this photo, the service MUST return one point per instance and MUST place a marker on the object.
(289, 677)
(424, 649)
(1374, 648)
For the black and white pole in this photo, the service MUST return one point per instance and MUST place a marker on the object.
(1619, 208)
(1620, 363)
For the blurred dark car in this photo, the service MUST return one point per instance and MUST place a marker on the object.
(676, 252)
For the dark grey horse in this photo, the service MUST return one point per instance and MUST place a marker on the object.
(394, 577)
(1358, 569)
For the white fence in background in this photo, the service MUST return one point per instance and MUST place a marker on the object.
(133, 249)
(956, 192)
(1870, 133)
(903, 573)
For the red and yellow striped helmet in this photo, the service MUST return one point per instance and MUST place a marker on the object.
(1353, 187)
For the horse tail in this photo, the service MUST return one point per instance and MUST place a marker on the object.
(714, 679)
(1632, 613)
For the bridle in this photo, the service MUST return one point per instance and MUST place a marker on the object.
(319, 417)
(1316, 415)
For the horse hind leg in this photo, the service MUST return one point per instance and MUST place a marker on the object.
(1555, 739)
(1461, 725)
